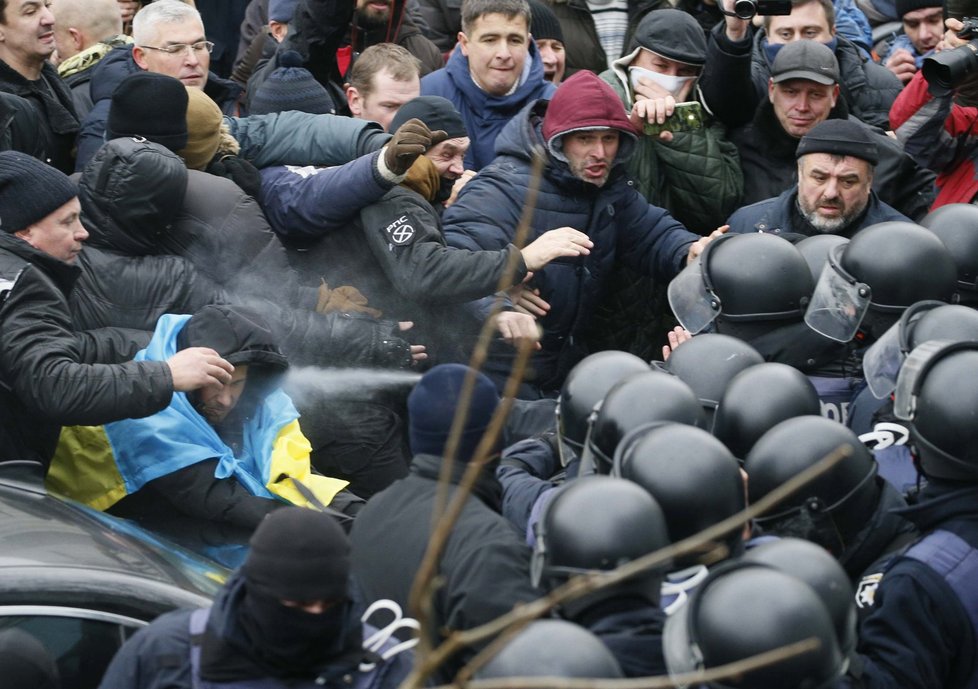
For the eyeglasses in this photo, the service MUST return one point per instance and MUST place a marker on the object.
(179, 48)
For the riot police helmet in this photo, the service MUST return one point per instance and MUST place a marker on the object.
(707, 363)
(597, 523)
(937, 392)
(693, 477)
(956, 225)
(552, 648)
(757, 399)
(741, 280)
(650, 397)
(831, 508)
(744, 609)
(586, 385)
(817, 568)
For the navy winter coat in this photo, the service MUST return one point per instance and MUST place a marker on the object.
(622, 225)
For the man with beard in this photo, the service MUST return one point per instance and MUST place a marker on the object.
(228, 453)
(331, 35)
(285, 618)
(836, 160)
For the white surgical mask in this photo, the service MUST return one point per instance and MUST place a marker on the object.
(674, 85)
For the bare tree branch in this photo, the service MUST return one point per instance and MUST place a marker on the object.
(426, 582)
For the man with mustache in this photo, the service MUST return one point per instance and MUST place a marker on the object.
(26, 43)
(834, 195)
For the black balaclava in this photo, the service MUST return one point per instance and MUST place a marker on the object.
(301, 555)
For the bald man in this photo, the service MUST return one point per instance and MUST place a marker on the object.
(84, 32)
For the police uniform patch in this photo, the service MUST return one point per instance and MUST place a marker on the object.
(866, 591)
(400, 232)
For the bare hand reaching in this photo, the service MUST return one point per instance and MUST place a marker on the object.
(564, 241)
(676, 337)
(517, 328)
(197, 367)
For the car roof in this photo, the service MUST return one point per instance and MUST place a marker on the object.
(58, 552)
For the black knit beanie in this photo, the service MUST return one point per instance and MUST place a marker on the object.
(30, 190)
(291, 87)
(436, 112)
(544, 23)
(150, 105)
(904, 6)
(431, 410)
(839, 137)
(298, 554)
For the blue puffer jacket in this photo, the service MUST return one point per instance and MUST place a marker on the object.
(485, 115)
(620, 222)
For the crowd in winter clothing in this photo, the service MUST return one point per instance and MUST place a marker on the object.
(504, 292)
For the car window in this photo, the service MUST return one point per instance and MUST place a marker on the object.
(81, 642)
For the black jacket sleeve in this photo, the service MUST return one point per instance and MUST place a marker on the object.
(727, 84)
(403, 233)
(41, 355)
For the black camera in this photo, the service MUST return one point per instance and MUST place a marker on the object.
(948, 68)
(746, 9)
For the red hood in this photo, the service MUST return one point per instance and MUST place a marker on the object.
(585, 101)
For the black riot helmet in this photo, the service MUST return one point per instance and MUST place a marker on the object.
(692, 476)
(921, 322)
(937, 392)
(597, 523)
(817, 568)
(586, 385)
(956, 225)
(757, 399)
(741, 281)
(815, 251)
(707, 363)
(744, 609)
(653, 396)
(552, 648)
(830, 509)
(869, 282)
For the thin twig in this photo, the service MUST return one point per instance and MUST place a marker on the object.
(426, 581)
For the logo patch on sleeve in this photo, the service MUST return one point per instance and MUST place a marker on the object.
(400, 232)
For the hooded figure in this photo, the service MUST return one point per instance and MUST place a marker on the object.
(621, 224)
(284, 619)
(226, 454)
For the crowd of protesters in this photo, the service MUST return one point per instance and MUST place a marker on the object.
(694, 251)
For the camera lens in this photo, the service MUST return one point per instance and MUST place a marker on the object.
(948, 69)
(745, 9)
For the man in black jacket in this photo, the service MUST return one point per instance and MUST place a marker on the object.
(50, 374)
(485, 565)
(804, 90)
(26, 43)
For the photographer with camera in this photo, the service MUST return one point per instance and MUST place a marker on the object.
(739, 59)
(903, 53)
(935, 115)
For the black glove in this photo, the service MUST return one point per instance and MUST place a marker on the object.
(410, 140)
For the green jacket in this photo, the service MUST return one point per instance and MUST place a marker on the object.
(696, 176)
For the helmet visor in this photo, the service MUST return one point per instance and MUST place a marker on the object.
(838, 303)
(882, 361)
(692, 301)
(905, 397)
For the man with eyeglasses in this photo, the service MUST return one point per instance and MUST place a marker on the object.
(26, 43)
(168, 38)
